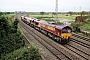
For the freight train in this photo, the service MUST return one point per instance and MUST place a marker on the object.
(58, 33)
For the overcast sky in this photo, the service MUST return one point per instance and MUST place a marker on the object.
(44, 5)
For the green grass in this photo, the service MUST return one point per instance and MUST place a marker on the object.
(86, 27)
(49, 15)
(67, 17)
(10, 15)
(10, 18)
(60, 16)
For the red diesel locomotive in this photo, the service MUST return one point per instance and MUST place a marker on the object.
(59, 33)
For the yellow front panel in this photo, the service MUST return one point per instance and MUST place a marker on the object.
(66, 35)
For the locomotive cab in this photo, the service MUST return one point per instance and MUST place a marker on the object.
(66, 33)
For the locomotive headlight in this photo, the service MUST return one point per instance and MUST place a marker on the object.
(62, 36)
(65, 37)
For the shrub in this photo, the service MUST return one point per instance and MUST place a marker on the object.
(59, 23)
(25, 53)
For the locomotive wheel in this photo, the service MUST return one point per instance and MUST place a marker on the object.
(53, 37)
(46, 33)
(68, 40)
(58, 39)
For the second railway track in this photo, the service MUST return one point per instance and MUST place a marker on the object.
(81, 37)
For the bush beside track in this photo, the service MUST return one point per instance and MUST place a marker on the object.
(25, 53)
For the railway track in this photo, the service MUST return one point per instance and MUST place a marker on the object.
(83, 44)
(81, 37)
(48, 46)
(77, 49)
(79, 45)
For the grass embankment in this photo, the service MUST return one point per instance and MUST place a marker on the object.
(86, 26)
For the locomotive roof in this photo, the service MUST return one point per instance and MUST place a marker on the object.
(61, 26)
(58, 26)
(30, 18)
(53, 25)
(43, 22)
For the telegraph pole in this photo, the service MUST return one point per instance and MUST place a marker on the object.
(56, 11)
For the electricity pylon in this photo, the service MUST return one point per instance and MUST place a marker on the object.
(56, 11)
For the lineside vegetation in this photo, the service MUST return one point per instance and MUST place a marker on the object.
(12, 44)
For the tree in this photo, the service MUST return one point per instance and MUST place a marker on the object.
(76, 27)
(15, 25)
(4, 26)
(9, 41)
(70, 12)
(84, 13)
(1, 13)
(42, 13)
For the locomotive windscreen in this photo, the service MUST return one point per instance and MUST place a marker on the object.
(66, 29)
